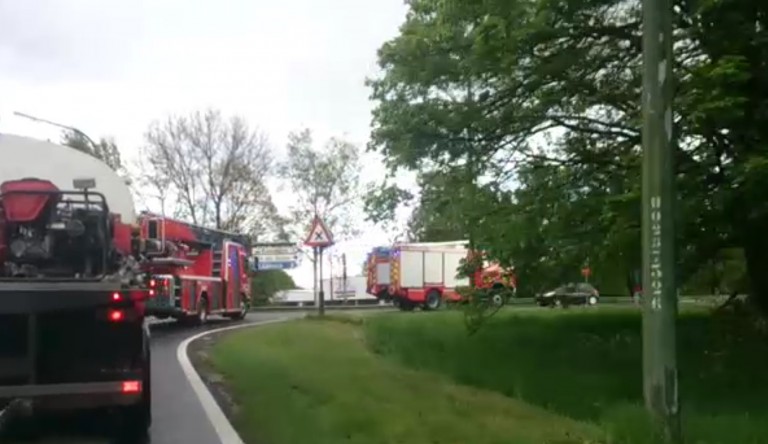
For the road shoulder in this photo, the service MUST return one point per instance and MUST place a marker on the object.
(216, 415)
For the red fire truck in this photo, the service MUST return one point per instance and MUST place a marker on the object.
(425, 274)
(196, 272)
(378, 273)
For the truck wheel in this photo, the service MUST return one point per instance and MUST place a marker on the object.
(433, 300)
(497, 299)
(243, 311)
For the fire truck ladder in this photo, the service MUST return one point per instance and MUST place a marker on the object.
(218, 256)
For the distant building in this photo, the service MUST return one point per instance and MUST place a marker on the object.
(354, 291)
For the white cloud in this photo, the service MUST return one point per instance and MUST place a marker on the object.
(110, 67)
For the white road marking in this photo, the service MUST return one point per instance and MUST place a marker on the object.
(224, 429)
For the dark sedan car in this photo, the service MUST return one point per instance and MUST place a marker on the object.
(582, 293)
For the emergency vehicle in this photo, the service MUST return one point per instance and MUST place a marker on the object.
(425, 274)
(196, 272)
(378, 273)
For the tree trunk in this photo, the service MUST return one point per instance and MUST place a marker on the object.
(756, 255)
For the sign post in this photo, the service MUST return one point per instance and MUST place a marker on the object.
(330, 272)
(319, 238)
(344, 272)
(586, 272)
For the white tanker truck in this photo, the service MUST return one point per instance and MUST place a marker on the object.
(72, 327)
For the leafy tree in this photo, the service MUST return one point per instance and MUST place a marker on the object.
(105, 150)
(215, 168)
(265, 284)
(323, 182)
(515, 86)
(150, 188)
(442, 206)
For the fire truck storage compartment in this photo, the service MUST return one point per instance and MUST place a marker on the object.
(382, 273)
(424, 268)
(72, 346)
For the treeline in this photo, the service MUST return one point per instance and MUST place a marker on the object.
(522, 119)
(214, 170)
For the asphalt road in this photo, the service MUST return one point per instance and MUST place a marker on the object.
(178, 416)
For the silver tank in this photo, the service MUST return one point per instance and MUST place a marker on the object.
(24, 157)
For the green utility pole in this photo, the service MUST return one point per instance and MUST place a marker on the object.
(659, 288)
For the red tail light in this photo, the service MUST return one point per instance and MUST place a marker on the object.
(151, 292)
(116, 297)
(116, 315)
(131, 387)
(152, 283)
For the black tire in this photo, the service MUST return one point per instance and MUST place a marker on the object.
(384, 296)
(433, 300)
(498, 299)
(244, 306)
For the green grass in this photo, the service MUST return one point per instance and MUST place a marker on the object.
(586, 364)
(316, 382)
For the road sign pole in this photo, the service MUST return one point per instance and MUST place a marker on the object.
(319, 238)
(330, 276)
(659, 288)
(321, 295)
(344, 271)
(314, 275)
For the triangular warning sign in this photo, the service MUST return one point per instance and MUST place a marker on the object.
(319, 235)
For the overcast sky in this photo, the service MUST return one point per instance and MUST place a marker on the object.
(110, 67)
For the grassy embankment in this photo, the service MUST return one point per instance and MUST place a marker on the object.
(407, 378)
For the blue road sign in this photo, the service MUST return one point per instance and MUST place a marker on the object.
(287, 265)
